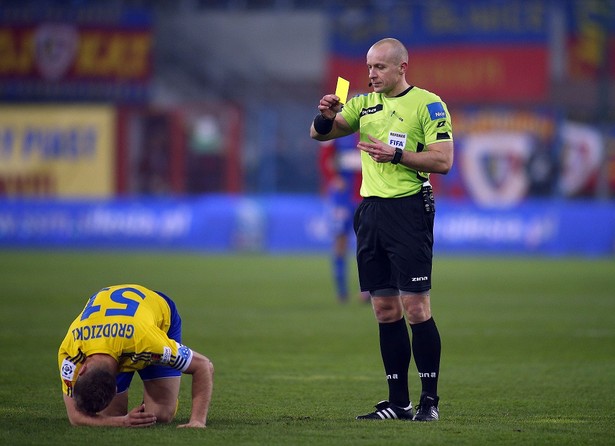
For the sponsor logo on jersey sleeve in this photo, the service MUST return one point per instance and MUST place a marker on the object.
(371, 110)
(67, 371)
(166, 355)
(436, 111)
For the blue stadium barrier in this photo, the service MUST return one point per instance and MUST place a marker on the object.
(294, 224)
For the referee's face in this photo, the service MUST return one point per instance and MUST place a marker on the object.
(385, 73)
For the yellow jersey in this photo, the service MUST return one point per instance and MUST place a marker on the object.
(128, 322)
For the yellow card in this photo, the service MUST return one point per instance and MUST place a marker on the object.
(341, 91)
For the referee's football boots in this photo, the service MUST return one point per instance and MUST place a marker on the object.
(388, 411)
(427, 410)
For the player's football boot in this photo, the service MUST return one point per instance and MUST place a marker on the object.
(427, 410)
(388, 411)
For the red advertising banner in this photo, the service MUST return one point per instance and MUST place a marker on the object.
(63, 60)
(468, 74)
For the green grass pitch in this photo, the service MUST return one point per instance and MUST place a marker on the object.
(528, 350)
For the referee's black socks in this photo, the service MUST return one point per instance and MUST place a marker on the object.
(427, 350)
(395, 350)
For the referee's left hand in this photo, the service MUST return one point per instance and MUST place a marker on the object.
(377, 150)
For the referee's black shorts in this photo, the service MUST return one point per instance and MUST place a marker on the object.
(394, 243)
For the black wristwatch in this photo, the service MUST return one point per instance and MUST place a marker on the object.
(397, 157)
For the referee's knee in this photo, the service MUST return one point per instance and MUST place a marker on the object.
(387, 309)
(417, 307)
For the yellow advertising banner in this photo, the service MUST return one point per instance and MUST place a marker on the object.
(57, 150)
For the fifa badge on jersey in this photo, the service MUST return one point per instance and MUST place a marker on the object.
(67, 370)
(436, 110)
(397, 140)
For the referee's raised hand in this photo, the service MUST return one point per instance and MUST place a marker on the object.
(329, 106)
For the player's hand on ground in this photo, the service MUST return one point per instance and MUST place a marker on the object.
(329, 106)
(138, 417)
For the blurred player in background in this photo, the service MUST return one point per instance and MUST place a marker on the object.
(123, 329)
(340, 167)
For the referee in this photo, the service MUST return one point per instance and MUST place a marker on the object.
(405, 134)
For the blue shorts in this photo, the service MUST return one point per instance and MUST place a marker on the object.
(156, 371)
(342, 208)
